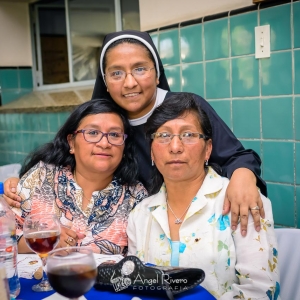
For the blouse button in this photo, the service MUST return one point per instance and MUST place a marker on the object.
(187, 238)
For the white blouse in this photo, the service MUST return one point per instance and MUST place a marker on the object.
(236, 267)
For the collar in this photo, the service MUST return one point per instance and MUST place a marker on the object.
(212, 183)
(160, 97)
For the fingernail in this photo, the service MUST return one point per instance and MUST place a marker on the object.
(233, 227)
(18, 205)
(244, 232)
(13, 189)
(257, 228)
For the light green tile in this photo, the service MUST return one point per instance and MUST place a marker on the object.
(254, 145)
(192, 78)
(278, 161)
(282, 199)
(296, 19)
(297, 164)
(216, 39)
(245, 77)
(173, 77)
(280, 30)
(297, 118)
(242, 33)
(277, 74)
(154, 37)
(169, 47)
(63, 116)
(298, 205)
(30, 122)
(223, 109)
(277, 118)
(297, 71)
(42, 122)
(246, 118)
(53, 119)
(217, 79)
(25, 78)
(9, 79)
(191, 43)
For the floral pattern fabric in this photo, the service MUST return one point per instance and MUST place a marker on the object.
(49, 189)
(236, 267)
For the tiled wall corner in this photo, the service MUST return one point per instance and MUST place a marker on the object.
(258, 99)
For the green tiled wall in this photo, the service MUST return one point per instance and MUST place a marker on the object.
(258, 99)
(14, 83)
(22, 133)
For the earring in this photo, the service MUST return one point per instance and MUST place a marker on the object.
(71, 150)
(152, 162)
(206, 163)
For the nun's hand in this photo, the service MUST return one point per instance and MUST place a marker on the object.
(10, 189)
(241, 196)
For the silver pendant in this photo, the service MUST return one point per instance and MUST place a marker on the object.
(178, 221)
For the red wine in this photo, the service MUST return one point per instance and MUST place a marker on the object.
(42, 242)
(72, 281)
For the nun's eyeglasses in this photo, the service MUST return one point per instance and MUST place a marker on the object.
(120, 75)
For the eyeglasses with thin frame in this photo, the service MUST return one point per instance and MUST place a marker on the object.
(137, 73)
(95, 136)
(185, 137)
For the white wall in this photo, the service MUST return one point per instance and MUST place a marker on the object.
(159, 13)
(15, 41)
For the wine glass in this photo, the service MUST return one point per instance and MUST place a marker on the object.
(72, 271)
(41, 233)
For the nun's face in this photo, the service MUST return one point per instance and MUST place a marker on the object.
(136, 94)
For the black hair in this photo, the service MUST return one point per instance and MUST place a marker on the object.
(173, 107)
(57, 151)
(128, 41)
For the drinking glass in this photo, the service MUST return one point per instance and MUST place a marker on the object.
(41, 233)
(72, 271)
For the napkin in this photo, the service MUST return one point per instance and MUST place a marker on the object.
(29, 263)
(59, 297)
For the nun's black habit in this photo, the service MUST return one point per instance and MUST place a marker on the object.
(227, 151)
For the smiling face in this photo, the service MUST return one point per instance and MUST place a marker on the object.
(101, 157)
(137, 97)
(179, 162)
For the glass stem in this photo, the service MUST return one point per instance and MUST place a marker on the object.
(44, 276)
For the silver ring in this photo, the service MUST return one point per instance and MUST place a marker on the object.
(255, 208)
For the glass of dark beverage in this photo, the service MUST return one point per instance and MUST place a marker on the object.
(72, 271)
(42, 233)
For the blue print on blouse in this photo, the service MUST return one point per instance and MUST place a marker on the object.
(195, 198)
(193, 234)
(275, 252)
(276, 292)
(162, 236)
(212, 219)
(228, 261)
(223, 223)
(182, 246)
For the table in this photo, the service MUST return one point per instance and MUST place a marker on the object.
(196, 293)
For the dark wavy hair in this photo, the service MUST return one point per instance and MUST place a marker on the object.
(57, 151)
(173, 107)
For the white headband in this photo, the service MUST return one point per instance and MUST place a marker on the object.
(132, 37)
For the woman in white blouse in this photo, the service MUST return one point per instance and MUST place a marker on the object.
(181, 224)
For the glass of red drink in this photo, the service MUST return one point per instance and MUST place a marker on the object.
(72, 271)
(42, 233)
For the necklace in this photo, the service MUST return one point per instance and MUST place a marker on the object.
(82, 193)
(178, 220)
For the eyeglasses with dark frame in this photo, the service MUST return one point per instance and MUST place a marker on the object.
(185, 137)
(120, 75)
(95, 136)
